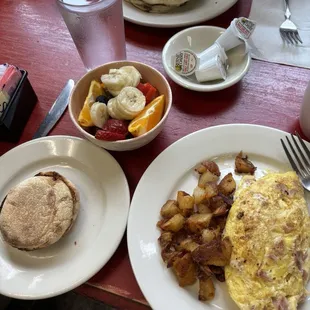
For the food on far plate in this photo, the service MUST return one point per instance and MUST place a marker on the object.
(269, 228)
(157, 6)
(255, 236)
(122, 99)
(192, 227)
(39, 211)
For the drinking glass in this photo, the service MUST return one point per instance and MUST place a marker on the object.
(97, 29)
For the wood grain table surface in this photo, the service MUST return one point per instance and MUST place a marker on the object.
(35, 38)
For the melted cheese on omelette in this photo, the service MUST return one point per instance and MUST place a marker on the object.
(269, 228)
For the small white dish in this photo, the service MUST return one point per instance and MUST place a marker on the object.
(198, 39)
(97, 232)
(193, 12)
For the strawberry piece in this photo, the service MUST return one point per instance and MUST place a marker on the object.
(115, 125)
(109, 135)
(141, 87)
(148, 90)
(151, 93)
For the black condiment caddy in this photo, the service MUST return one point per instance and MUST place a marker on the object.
(18, 110)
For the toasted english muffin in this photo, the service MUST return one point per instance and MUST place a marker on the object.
(39, 211)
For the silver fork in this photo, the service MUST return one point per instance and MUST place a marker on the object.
(288, 29)
(301, 163)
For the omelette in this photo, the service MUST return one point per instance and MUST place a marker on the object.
(269, 228)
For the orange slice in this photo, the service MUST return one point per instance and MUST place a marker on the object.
(148, 118)
(95, 90)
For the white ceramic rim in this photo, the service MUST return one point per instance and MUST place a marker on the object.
(203, 87)
(127, 141)
(128, 17)
(102, 258)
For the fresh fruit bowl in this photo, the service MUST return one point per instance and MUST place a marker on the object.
(102, 114)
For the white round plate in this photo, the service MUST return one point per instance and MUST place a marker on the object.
(173, 170)
(193, 12)
(190, 38)
(95, 235)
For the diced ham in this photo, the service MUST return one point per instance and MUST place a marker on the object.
(288, 227)
(278, 246)
(280, 303)
(300, 258)
(305, 276)
(263, 275)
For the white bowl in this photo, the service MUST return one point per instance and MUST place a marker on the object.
(149, 74)
(198, 39)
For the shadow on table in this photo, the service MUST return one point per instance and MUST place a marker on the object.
(196, 103)
(68, 301)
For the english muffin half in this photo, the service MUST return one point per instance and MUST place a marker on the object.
(39, 211)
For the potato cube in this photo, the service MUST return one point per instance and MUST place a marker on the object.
(186, 203)
(185, 270)
(199, 195)
(197, 222)
(165, 239)
(207, 177)
(211, 190)
(206, 289)
(227, 185)
(203, 208)
(243, 165)
(174, 224)
(189, 245)
(208, 165)
(169, 209)
(210, 234)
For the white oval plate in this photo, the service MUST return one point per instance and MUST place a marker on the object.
(190, 38)
(95, 235)
(171, 171)
(194, 12)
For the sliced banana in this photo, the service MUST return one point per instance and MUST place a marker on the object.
(115, 81)
(112, 109)
(115, 112)
(133, 73)
(130, 102)
(99, 114)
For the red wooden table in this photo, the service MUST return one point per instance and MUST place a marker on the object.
(34, 37)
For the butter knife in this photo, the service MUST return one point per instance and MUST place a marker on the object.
(55, 112)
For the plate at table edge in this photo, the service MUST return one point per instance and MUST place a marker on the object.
(180, 17)
(175, 172)
(85, 249)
